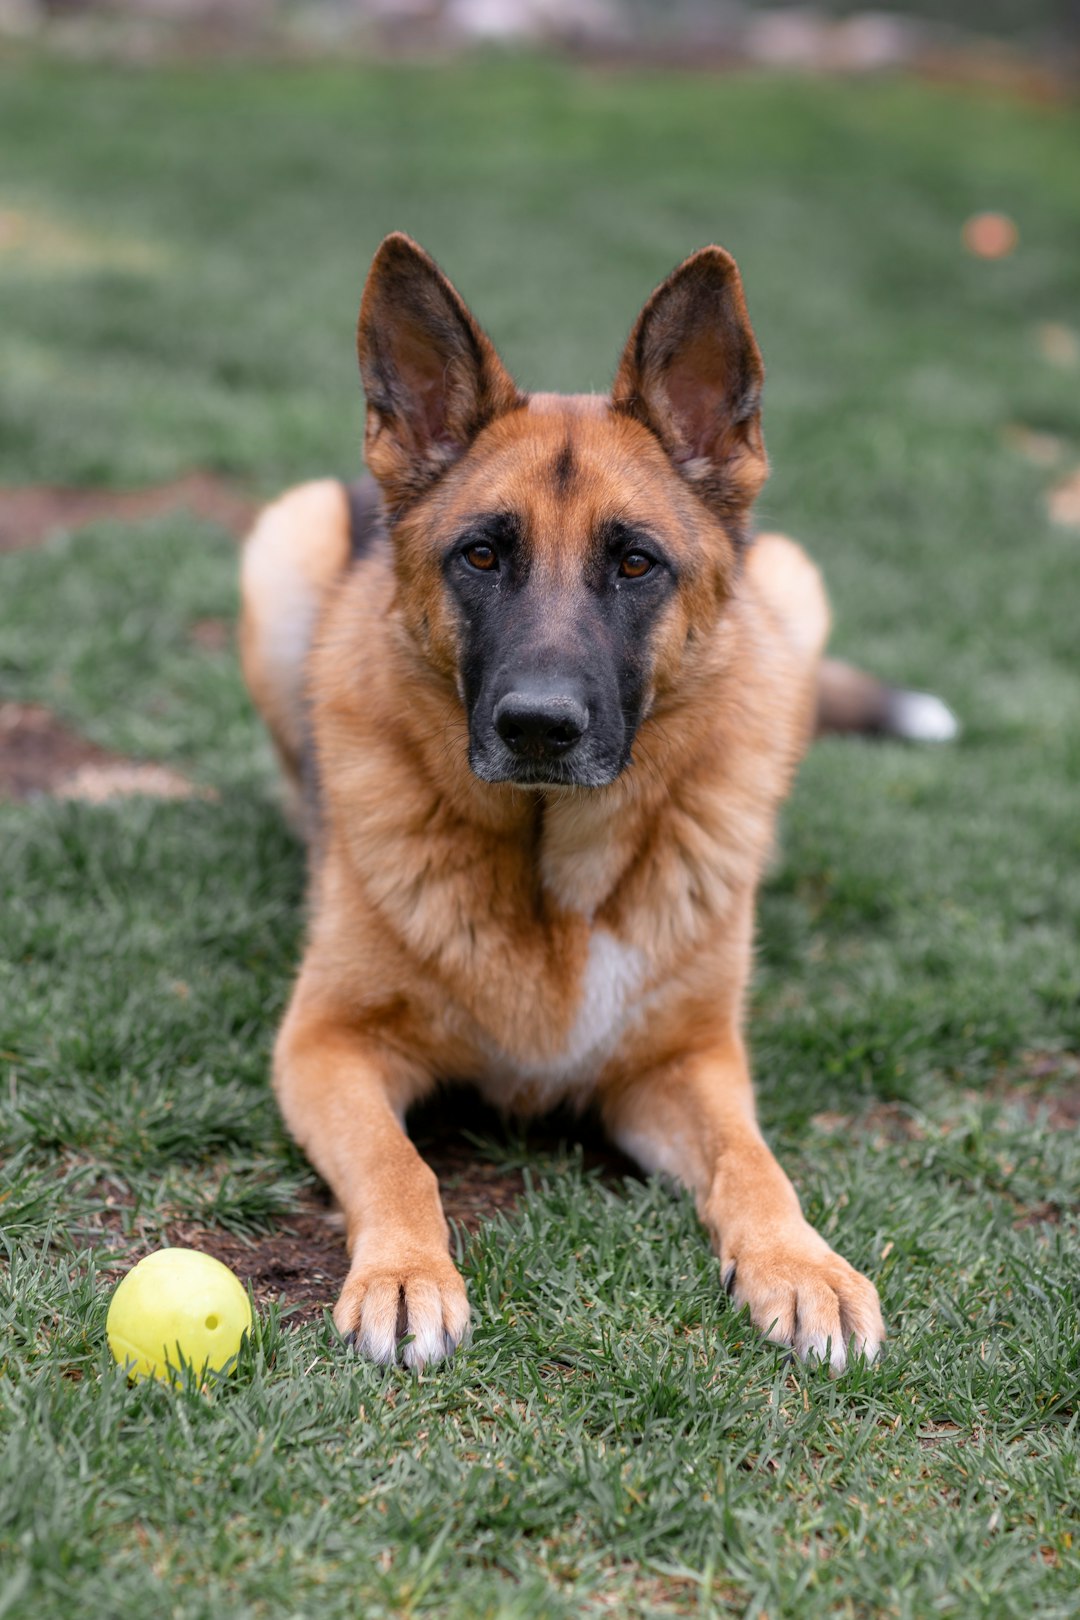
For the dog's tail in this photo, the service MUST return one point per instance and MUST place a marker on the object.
(851, 700)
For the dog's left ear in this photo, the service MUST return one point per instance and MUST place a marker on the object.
(431, 375)
(691, 372)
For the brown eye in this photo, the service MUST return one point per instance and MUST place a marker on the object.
(482, 557)
(635, 565)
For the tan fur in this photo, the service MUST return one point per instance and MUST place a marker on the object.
(297, 550)
(548, 944)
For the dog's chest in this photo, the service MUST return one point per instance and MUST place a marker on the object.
(563, 1062)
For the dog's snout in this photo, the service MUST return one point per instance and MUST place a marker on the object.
(541, 723)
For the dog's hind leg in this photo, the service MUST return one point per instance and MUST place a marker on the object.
(299, 547)
(848, 699)
(791, 586)
(788, 586)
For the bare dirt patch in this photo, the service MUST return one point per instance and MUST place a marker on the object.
(35, 239)
(1042, 1214)
(885, 1122)
(300, 1267)
(1042, 449)
(302, 1263)
(212, 635)
(1044, 1083)
(1059, 345)
(30, 513)
(1049, 1089)
(40, 755)
(474, 1187)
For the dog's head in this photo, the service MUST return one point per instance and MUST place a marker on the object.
(561, 558)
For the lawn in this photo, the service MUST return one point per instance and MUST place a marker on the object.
(179, 273)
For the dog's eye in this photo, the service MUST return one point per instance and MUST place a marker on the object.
(481, 556)
(635, 565)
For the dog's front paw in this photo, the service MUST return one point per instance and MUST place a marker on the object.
(803, 1294)
(420, 1299)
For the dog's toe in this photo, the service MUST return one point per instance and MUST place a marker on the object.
(418, 1311)
(801, 1293)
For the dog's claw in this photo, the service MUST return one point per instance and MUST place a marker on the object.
(808, 1299)
(415, 1316)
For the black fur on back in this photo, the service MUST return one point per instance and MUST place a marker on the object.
(366, 522)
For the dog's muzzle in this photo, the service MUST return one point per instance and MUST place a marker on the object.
(545, 730)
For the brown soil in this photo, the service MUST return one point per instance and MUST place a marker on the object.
(212, 635)
(37, 751)
(39, 754)
(1050, 1089)
(1047, 1086)
(30, 513)
(301, 1265)
(884, 1122)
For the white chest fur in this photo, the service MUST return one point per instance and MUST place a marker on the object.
(609, 1004)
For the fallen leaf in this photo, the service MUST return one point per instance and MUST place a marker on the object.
(1063, 502)
(95, 784)
(1043, 449)
(990, 236)
(1059, 344)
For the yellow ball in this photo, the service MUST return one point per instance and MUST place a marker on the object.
(177, 1305)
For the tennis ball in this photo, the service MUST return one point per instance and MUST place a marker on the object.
(175, 1305)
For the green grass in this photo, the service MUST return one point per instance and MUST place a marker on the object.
(615, 1441)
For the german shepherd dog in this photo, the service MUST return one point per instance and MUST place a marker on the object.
(539, 694)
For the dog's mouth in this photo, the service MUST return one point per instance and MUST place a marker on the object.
(494, 763)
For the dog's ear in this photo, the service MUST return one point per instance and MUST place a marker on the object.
(431, 376)
(692, 373)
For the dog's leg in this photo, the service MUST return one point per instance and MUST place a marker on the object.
(791, 585)
(343, 1098)
(695, 1121)
(848, 699)
(297, 550)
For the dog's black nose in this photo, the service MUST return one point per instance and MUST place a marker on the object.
(539, 722)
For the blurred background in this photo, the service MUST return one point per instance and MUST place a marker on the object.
(836, 33)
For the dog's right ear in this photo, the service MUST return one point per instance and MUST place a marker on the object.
(431, 375)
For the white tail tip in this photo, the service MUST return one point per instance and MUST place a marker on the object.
(921, 717)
